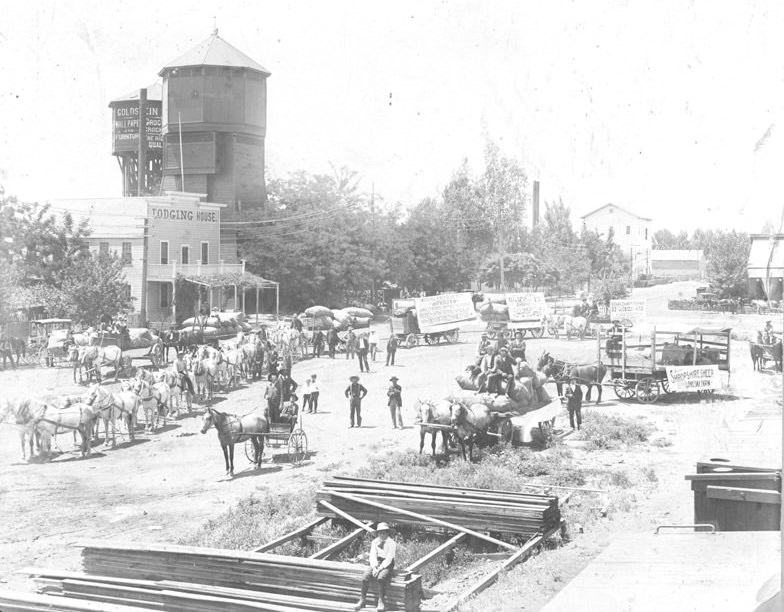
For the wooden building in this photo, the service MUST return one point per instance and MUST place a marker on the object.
(631, 232)
(678, 264)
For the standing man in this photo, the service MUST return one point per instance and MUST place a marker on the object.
(395, 403)
(363, 346)
(306, 395)
(574, 402)
(382, 564)
(351, 340)
(318, 343)
(315, 389)
(391, 349)
(373, 339)
(288, 385)
(272, 395)
(355, 393)
(332, 341)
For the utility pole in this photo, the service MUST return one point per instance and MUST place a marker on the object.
(141, 167)
(373, 242)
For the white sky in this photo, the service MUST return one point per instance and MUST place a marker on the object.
(656, 106)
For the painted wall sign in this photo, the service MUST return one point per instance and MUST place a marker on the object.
(125, 126)
(183, 214)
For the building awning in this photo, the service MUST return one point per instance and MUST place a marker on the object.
(243, 280)
(766, 257)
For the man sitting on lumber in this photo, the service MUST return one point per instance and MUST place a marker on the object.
(382, 564)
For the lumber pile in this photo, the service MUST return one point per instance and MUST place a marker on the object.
(476, 509)
(14, 601)
(178, 578)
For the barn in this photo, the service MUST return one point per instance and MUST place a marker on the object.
(678, 264)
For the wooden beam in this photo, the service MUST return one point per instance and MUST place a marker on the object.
(735, 476)
(434, 554)
(336, 547)
(761, 496)
(291, 536)
(423, 517)
(347, 516)
(518, 557)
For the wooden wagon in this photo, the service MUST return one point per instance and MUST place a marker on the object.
(405, 327)
(640, 370)
(283, 434)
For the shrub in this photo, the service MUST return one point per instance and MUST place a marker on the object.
(608, 431)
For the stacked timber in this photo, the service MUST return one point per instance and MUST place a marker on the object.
(14, 601)
(241, 579)
(477, 509)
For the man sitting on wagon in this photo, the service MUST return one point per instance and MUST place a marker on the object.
(289, 411)
(503, 369)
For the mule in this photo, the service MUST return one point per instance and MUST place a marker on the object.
(233, 429)
(469, 423)
(587, 374)
(439, 414)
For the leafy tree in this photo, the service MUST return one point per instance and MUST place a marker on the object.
(665, 239)
(93, 285)
(726, 263)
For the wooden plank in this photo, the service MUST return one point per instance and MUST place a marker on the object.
(734, 476)
(434, 554)
(336, 547)
(518, 557)
(31, 601)
(347, 516)
(425, 518)
(744, 495)
(292, 535)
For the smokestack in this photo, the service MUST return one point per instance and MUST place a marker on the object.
(535, 212)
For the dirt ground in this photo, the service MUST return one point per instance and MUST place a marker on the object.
(167, 484)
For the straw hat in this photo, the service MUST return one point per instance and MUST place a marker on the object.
(382, 527)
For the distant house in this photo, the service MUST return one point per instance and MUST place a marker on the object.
(631, 232)
(766, 266)
(678, 264)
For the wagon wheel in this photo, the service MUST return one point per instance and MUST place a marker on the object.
(298, 446)
(452, 336)
(647, 390)
(665, 385)
(411, 340)
(623, 390)
(431, 338)
(250, 450)
(506, 431)
(522, 332)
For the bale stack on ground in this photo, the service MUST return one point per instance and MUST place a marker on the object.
(507, 512)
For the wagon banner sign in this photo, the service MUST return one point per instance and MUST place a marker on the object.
(634, 310)
(440, 313)
(693, 378)
(526, 306)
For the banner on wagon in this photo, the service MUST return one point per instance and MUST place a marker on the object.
(693, 378)
(438, 313)
(526, 306)
(633, 310)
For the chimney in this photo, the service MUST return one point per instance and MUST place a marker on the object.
(535, 212)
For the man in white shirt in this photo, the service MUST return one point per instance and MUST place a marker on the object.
(315, 389)
(382, 564)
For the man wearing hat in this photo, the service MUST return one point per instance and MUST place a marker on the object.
(272, 395)
(767, 333)
(395, 403)
(574, 402)
(382, 564)
(503, 369)
(182, 372)
(355, 393)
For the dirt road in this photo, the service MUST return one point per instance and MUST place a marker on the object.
(168, 483)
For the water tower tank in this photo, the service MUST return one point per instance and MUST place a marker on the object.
(215, 103)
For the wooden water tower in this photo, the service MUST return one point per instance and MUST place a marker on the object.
(215, 104)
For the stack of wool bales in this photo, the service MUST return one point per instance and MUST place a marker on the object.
(318, 318)
(494, 310)
(321, 317)
(218, 324)
(528, 394)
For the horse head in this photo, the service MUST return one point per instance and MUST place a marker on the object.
(457, 413)
(544, 360)
(424, 411)
(208, 420)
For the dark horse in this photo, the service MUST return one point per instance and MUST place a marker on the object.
(233, 429)
(588, 374)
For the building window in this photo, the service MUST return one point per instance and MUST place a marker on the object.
(126, 252)
(205, 252)
(166, 295)
(185, 254)
(164, 252)
(127, 291)
(628, 230)
(103, 248)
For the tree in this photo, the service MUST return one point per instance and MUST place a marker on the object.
(92, 286)
(726, 263)
(665, 239)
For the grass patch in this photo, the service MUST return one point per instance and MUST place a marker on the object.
(610, 431)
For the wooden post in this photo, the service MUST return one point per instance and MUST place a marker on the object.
(257, 304)
(142, 165)
(235, 298)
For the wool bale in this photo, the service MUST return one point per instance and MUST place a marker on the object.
(495, 298)
(321, 323)
(318, 311)
(342, 316)
(539, 379)
(527, 383)
(360, 322)
(543, 396)
(466, 383)
(355, 311)
(524, 370)
(494, 308)
(233, 315)
(245, 326)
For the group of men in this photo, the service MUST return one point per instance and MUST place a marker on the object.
(496, 363)
(356, 392)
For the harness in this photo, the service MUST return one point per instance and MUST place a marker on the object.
(58, 424)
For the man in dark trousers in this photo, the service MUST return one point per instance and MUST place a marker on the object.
(355, 393)
(288, 385)
(503, 369)
(395, 402)
(391, 349)
(318, 343)
(363, 348)
(272, 395)
(332, 342)
(574, 402)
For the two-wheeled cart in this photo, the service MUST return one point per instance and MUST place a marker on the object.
(283, 434)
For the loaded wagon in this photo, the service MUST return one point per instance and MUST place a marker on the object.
(404, 325)
(431, 319)
(48, 339)
(669, 362)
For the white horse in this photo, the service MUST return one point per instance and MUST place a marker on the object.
(123, 406)
(95, 357)
(575, 326)
(177, 389)
(19, 413)
(235, 360)
(155, 400)
(48, 421)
